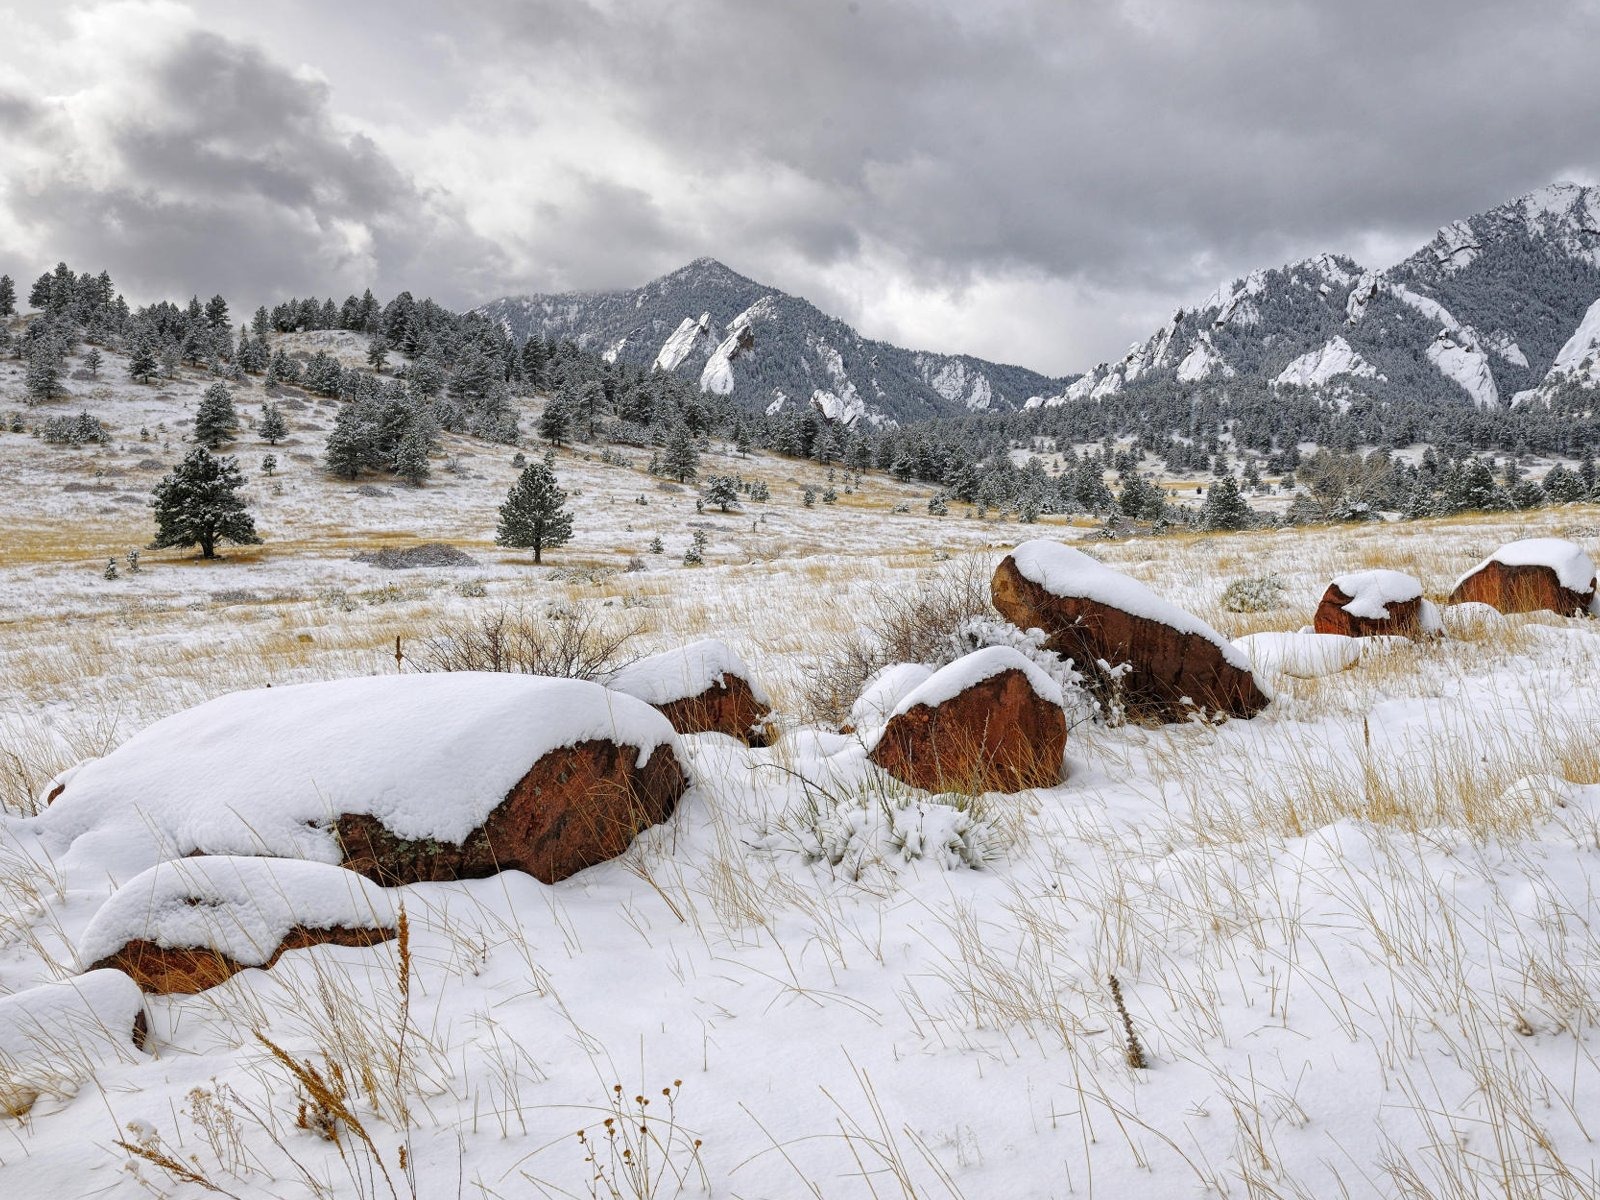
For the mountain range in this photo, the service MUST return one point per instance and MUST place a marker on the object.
(1498, 309)
(768, 349)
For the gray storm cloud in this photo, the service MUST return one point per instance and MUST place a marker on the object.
(1033, 181)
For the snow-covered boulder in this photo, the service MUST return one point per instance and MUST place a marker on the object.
(1376, 603)
(401, 777)
(1156, 659)
(189, 924)
(704, 687)
(884, 691)
(55, 1036)
(991, 721)
(1302, 655)
(1531, 575)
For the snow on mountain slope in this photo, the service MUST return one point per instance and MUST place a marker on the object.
(1459, 357)
(1318, 367)
(1202, 361)
(1581, 355)
(688, 337)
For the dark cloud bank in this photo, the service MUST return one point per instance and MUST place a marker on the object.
(1111, 160)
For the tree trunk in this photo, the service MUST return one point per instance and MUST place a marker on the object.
(207, 546)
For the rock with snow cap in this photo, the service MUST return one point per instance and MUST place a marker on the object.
(1532, 575)
(991, 721)
(1375, 603)
(189, 924)
(56, 1035)
(1159, 661)
(404, 778)
(703, 687)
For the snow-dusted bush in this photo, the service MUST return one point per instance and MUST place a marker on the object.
(1259, 593)
(884, 822)
(81, 430)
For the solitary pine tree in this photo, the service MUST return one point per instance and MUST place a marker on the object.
(273, 427)
(215, 421)
(198, 504)
(534, 515)
(8, 296)
(1225, 508)
(93, 361)
(723, 491)
(377, 352)
(680, 459)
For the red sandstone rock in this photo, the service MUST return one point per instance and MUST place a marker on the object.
(1176, 664)
(164, 970)
(703, 687)
(990, 722)
(1377, 603)
(1521, 588)
(578, 806)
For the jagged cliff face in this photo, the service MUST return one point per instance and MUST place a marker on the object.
(1496, 309)
(769, 350)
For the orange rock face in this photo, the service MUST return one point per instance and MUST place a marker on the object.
(1521, 588)
(728, 707)
(1404, 619)
(999, 735)
(576, 807)
(1165, 665)
(165, 970)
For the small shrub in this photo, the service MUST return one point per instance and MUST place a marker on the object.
(573, 644)
(1260, 593)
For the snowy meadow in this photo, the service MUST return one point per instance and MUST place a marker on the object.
(1347, 947)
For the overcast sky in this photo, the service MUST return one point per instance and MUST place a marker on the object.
(1037, 181)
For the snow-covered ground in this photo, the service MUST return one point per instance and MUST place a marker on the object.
(1356, 936)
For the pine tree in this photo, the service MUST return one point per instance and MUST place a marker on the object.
(93, 361)
(346, 449)
(1225, 508)
(533, 516)
(411, 456)
(198, 504)
(681, 459)
(217, 314)
(273, 427)
(44, 372)
(8, 297)
(555, 426)
(377, 352)
(937, 507)
(1562, 486)
(142, 362)
(723, 491)
(215, 421)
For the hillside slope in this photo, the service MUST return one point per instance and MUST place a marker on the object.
(1491, 312)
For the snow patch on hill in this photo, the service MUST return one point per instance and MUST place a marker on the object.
(1460, 357)
(1202, 361)
(690, 336)
(1316, 367)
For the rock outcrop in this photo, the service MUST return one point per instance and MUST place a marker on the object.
(1537, 574)
(989, 722)
(1156, 660)
(1375, 603)
(54, 1036)
(187, 925)
(703, 687)
(578, 806)
(403, 778)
